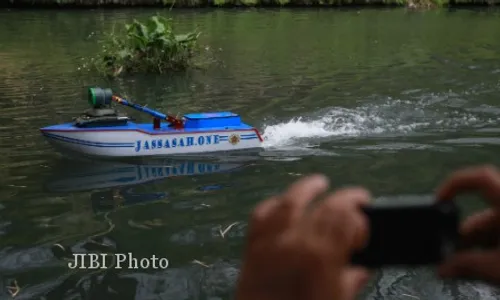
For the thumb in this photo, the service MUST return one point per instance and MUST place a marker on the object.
(353, 281)
(473, 265)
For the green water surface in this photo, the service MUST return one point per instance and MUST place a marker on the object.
(389, 99)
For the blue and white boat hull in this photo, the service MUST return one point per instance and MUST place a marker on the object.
(134, 139)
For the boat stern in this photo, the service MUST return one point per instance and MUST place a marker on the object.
(227, 121)
(259, 136)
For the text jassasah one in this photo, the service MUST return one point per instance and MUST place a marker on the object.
(116, 261)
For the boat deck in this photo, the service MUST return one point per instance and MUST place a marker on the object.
(146, 128)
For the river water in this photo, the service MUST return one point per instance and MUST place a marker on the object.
(390, 99)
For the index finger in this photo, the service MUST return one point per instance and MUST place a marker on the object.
(484, 179)
(337, 218)
(281, 211)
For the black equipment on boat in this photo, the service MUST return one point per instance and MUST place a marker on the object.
(101, 114)
(101, 117)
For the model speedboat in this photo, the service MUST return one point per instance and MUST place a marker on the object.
(103, 131)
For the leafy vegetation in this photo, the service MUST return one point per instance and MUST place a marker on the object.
(151, 46)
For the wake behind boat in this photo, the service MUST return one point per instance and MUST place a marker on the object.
(102, 131)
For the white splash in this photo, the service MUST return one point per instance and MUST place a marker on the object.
(393, 116)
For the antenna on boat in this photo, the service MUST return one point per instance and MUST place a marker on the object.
(100, 98)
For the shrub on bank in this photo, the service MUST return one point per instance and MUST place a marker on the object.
(151, 46)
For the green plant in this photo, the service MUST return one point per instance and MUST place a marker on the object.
(151, 46)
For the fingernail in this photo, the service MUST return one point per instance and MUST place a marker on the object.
(319, 179)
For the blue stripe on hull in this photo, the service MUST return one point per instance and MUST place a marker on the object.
(123, 145)
(88, 143)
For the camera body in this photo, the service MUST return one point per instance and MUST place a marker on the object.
(409, 235)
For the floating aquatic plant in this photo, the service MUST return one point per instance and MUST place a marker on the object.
(151, 46)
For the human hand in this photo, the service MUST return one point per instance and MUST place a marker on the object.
(299, 251)
(480, 229)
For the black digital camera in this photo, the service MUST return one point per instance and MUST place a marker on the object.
(409, 235)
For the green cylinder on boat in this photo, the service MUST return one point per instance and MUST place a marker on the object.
(99, 96)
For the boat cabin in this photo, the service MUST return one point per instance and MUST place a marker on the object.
(212, 120)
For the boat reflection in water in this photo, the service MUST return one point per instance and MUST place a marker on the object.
(76, 176)
(112, 183)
